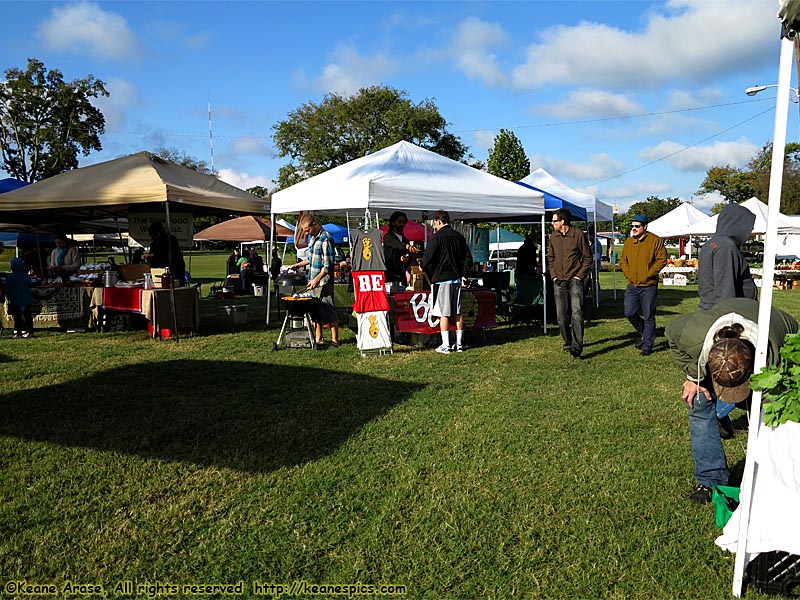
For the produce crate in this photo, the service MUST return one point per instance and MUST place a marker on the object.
(776, 573)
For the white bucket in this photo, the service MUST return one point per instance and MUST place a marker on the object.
(258, 290)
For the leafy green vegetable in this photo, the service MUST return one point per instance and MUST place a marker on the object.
(780, 385)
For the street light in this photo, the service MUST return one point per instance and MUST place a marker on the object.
(752, 91)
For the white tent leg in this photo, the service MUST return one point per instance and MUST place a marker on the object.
(765, 305)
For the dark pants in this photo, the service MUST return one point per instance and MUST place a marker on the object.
(23, 321)
(569, 310)
(642, 300)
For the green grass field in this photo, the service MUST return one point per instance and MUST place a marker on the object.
(510, 470)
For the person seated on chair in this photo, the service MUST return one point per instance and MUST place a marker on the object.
(65, 260)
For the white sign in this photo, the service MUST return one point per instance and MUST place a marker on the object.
(679, 279)
(181, 226)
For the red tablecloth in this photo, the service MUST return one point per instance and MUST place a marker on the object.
(123, 299)
(412, 311)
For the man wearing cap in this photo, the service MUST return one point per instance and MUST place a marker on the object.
(715, 350)
(643, 257)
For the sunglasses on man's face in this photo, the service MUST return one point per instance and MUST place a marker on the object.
(557, 220)
(636, 226)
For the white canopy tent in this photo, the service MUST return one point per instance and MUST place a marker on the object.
(677, 221)
(784, 224)
(597, 211)
(417, 181)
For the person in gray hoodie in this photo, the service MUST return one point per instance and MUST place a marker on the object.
(722, 271)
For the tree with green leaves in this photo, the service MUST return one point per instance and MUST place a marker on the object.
(180, 157)
(45, 122)
(507, 157)
(319, 137)
(738, 185)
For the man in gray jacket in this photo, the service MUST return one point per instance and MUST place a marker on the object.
(715, 350)
(722, 271)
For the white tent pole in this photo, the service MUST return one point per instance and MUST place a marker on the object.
(268, 291)
(172, 278)
(542, 251)
(765, 305)
(613, 253)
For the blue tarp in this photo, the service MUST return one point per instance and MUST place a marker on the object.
(12, 240)
(552, 203)
(339, 233)
(9, 183)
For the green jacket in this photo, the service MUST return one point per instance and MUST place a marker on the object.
(642, 259)
(691, 336)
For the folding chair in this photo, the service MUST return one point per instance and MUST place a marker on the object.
(528, 306)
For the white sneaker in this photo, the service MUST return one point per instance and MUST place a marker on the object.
(17, 335)
(459, 348)
(443, 349)
(27, 334)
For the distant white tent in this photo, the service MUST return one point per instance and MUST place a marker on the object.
(677, 221)
(785, 224)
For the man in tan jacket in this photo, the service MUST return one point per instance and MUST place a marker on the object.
(643, 257)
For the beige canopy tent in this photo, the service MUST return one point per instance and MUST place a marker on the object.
(110, 188)
(242, 229)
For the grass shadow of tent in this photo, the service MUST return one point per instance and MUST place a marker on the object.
(245, 416)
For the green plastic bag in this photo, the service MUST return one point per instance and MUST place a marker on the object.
(725, 500)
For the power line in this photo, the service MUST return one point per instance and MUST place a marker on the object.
(684, 149)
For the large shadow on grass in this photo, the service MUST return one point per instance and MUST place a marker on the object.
(242, 415)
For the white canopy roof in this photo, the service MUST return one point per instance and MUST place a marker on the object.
(409, 178)
(544, 181)
(677, 221)
(709, 225)
(109, 188)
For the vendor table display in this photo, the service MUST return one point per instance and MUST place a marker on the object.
(411, 312)
(65, 306)
(156, 306)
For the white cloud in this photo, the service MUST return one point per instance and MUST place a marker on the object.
(245, 180)
(484, 139)
(174, 34)
(601, 166)
(85, 27)
(683, 99)
(701, 158)
(349, 70)
(471, 49)
(123, 96)
(707, 201)
(251, 146)
(596, 103)
(636, 192)
(688, 40)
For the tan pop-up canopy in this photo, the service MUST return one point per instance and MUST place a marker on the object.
(242, 229)
(110, 188)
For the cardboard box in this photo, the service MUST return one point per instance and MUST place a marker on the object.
(133, 272)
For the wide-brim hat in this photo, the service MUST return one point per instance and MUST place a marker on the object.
(730, 363)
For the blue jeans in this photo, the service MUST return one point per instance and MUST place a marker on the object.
(710, 464)
(569, 310)
(642, 299)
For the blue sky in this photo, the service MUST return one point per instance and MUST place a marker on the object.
(624, 99)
